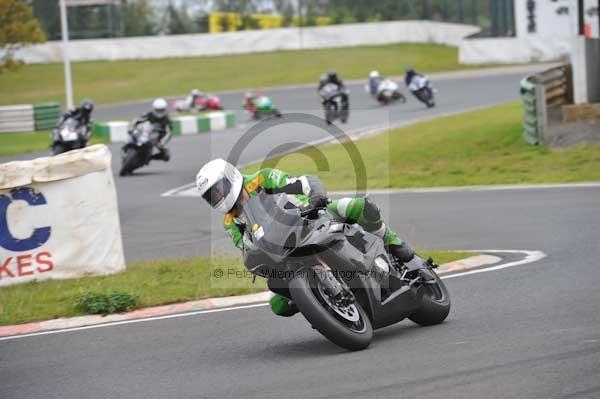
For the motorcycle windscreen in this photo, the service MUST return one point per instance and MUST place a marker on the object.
(71, 123)
(274, 223)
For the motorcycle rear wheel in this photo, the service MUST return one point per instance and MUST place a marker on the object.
(435, 304)
(349, 327)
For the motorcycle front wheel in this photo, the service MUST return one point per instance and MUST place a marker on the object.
(345, 326)
(130, 162)
(58, 148)
(435, 304)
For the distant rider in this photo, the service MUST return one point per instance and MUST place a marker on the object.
(225, 189)
(411, 74)
(158, 116)
(194, 95)
(82, 114)
(374, 80)
(333, 78)
(250, 101)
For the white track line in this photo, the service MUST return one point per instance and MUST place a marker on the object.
(530, 257)
(116, 323)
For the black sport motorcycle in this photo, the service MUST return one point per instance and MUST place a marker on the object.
(138, 150)
(70, 135)
(335, 102)
(339, 276)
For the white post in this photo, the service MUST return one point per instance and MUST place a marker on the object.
(65, 51)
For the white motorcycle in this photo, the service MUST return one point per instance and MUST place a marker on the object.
(387, 92)
(70, 135)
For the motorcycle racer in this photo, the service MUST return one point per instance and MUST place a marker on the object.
(224, 188)
(374, 79)
(83, 115)
(159, 116)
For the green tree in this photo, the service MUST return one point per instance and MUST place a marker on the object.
(18, 28)
(46, 11)
(179, 21)
(137, 18)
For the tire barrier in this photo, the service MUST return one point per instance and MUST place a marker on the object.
(46, 115)
(116, 131)
(29, 117)
(59, 217)
(551, 88)
(206, 122)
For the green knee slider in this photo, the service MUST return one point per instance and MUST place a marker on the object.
(282, 306)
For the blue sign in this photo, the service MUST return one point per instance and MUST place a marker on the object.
(38, 237)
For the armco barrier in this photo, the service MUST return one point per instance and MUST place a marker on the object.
(550, 88)
(210, 121)
(46, 115)
(116, 131)
(29, 117)
(59, 218)
(17, 118)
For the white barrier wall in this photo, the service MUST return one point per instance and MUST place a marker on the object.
(512, 50)
(59, 218)
(544, 32)
(251, 41)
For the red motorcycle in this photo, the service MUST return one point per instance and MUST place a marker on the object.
(207, 102)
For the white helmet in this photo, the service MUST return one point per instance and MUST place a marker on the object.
(159, 107)
(220, 184)
(374, 74)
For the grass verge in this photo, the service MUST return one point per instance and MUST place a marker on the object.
(471, 148)
(155, 282)
(21, 142)
(116, 81)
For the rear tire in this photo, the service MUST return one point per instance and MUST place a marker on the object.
(306, 296)
(435, 304)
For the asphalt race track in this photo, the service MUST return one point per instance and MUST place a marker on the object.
(155, 226)
(531, 331)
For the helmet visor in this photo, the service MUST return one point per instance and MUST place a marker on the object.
(218, 192)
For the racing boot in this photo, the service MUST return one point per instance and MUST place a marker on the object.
(162, 155)
(397, 248)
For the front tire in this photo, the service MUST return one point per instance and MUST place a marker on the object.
(435, 305)
(314, 307)
(58, 148)
(130, 162)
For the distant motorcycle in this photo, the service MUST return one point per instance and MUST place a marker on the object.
(335, 102)
(70, 135)
(421, 88)
(138, 151)
(387, 92)
(207, 102)
(261, 107)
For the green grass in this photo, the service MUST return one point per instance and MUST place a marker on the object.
(117, 81)
(21, 142)
(155, 282)
(472, 148)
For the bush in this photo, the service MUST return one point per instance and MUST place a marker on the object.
(100, 303)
